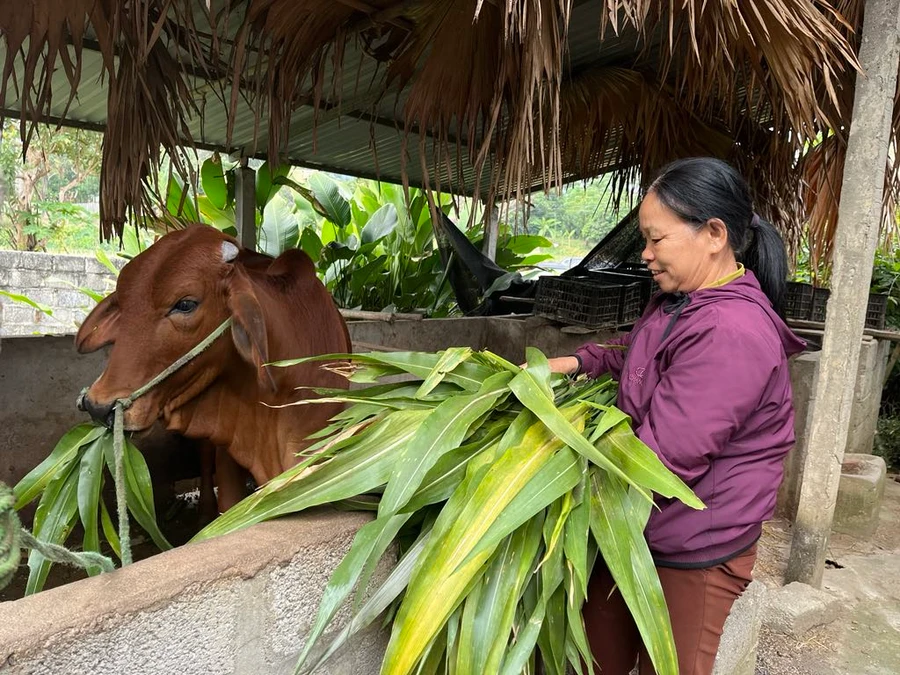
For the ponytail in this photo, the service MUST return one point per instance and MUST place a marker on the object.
(766, 257)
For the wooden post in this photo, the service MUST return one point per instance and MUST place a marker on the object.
(245, 205)
(858, 223)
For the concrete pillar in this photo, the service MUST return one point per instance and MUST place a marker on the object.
(245, 205)
(491, 230)
(855, 242)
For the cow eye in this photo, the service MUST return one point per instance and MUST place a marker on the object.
(184, 306)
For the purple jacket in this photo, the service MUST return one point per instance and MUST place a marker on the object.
(705, 380)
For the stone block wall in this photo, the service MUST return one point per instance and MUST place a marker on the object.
(52, 280)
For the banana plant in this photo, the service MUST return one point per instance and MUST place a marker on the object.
(499, 487)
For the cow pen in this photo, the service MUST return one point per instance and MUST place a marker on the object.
(242, 602)
(428, 94)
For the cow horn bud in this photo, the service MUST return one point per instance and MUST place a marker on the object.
(229, 251)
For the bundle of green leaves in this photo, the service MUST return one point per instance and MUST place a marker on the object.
(69, 483)
(499, 487)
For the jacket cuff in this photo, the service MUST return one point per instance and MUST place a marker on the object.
(578, 369)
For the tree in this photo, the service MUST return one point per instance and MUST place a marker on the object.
(60, 168)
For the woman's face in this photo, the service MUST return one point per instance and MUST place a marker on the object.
(681, 257)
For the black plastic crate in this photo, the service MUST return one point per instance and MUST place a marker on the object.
(580, 301)
(634, 299)
(798, 301)
(875, 311)
(819, 304)
(639, 288)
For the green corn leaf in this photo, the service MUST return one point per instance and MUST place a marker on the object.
(539, 370)
(529, 392)
(577, 533)
(578, 649)
(55, 516)
(443, 430)
(520, 653)
(109, 530)
(423, 612)
(369, 544)
(449, 360)
(553, 480)
(488, 622)
(447, 474)
(60, 459)
(418, 364)
(355, 471)
(552, 637)
(90, 480)
(139, 494)
(619, 531)
(513, 436)
(550, 567)
(464, 662)
(378, 602)
(635, 459)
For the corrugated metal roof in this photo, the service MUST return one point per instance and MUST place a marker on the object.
(353, 138)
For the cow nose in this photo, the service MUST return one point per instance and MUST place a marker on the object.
(102, 413)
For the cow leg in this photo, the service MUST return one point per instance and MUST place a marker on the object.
(231, 479)
(208, 509)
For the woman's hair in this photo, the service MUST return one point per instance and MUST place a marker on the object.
(697, 189)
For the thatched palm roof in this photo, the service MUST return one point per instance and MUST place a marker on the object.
(490, 97)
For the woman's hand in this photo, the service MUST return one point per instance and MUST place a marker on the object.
(566, 365)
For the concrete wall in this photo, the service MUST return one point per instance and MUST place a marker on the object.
(52, 280)
(235, 605)
(863, 417)
(867, 398)
(40, 377)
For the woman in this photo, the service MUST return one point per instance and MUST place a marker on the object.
(704, 376)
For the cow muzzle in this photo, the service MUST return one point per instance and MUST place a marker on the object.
(102, 413)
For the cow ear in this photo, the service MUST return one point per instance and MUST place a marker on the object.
(99, 328)
(248, 328)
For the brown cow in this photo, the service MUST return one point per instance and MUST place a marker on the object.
(177, 292)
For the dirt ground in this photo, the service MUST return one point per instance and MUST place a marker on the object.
(865, 639)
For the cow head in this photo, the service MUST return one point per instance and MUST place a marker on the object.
(167, 300)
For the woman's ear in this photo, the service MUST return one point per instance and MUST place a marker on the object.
(717, 232)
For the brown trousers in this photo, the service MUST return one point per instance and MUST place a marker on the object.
(699, 601)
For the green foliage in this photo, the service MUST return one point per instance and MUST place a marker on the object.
(69, 484)
(501, 487)
(41, 193)
(886, 279)
(887, 439)
(581, 216)
(372, 249)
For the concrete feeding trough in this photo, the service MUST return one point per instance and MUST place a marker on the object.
(860, 495)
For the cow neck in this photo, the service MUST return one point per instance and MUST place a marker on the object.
(120, 406)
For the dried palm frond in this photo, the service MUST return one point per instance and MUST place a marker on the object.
(476, 80)
(795, 43)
